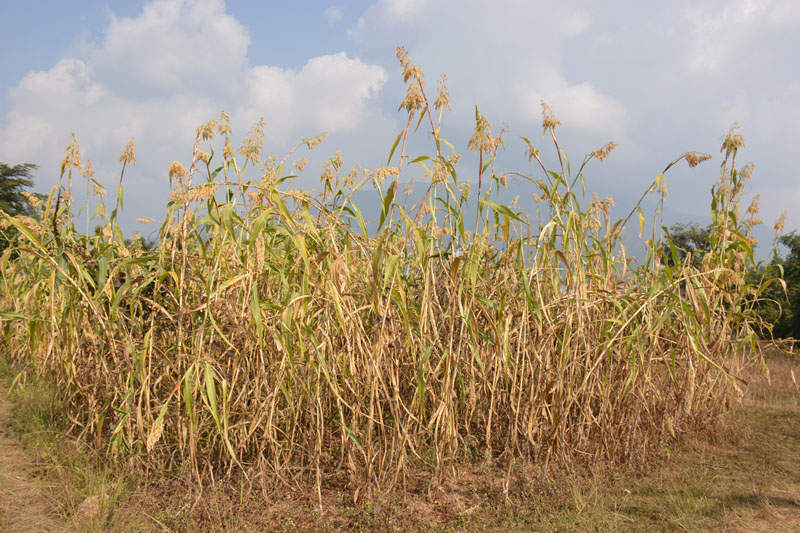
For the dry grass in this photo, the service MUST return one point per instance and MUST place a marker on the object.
(274, 340)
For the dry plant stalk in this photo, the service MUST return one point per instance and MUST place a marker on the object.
(314, 348)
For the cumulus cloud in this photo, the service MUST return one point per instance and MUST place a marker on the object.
(506, 72)
(581, 105)
(722, 30)
(160, 74)
(716, 31)
(170, 43)
(321, 95)
(404, 9)
(333, 14)
(47, 106)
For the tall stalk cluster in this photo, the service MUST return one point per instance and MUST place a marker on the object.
(279, 336)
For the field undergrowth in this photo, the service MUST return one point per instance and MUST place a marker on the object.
(279, 339)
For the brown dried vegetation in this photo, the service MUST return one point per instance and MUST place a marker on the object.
(275, 338)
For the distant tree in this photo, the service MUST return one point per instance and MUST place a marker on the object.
(13, 180)
(689, 240)
(782, 309)
(778, 308)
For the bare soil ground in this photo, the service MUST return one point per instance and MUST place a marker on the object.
(24, 505)
(743, 477)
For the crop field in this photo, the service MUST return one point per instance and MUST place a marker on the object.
(277, 338)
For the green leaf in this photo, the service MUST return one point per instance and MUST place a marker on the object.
(211, 394)
(360, 219)
(255, 309)
(421, 115)
(188, 389)
(22, 228)
(352, 437)
(387, 201)
(641, 220)
(12, 315)
(214, 173)
(394, 147)
(389, 268)
(102, 271)
(503, 210)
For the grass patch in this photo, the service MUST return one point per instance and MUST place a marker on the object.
(66, 471)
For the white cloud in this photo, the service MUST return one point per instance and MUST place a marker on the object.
(333, 14)
(329, 93)
(506, 56)
(721, 31)
(579, 106)
(736, 108)
(170, 43)
(404, 9)
(578, 22)
(159, 75)
(717, 31)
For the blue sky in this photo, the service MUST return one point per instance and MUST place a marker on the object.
(659, 78)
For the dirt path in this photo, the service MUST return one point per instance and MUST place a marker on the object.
(23, 506)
